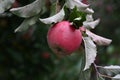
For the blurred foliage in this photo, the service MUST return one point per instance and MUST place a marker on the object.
(108, 12)
(26, 55)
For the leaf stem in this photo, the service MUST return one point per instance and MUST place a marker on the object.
(98, 73)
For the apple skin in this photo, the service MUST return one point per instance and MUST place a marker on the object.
(63, 38)
(15, 4)
(84, 1)
(45, 55)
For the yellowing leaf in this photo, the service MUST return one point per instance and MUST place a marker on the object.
(98, 39)
(54, 19)
(90, 52)
(28, 10)
(5, 4)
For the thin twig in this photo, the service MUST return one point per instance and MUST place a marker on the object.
(99, 74)
(104, 76)
(47, 4)
(57, 6)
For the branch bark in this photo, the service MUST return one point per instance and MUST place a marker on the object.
(58, 7)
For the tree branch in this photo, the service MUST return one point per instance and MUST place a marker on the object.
(58, 7)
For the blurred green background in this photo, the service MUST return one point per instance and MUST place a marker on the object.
(26, 55)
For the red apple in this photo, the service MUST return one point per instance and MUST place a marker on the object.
(45, 55)
(84, 1)
(109, 8)
(15, 4)
(63, 38)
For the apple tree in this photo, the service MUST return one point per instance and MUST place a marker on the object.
(67, 27)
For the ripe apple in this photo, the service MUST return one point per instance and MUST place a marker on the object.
(109, 8)
(63, 38)
(45, 55)
(15, 4)
(84, 1)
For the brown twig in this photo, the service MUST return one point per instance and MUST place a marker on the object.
(99, 74)
(47, 4)
(58, 7)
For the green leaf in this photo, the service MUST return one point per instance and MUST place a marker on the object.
(28, 10)
(110, 70)
(100, 77)
(27, 23)
(98, 39)
(72, 3)
(116, 77)
(84, 74)
(88, 11)
(80, 6)
(74, 16)
(67, 12)
(55, 18)
(90, 52)
(91, 24)
(89, 17)
(5, 5)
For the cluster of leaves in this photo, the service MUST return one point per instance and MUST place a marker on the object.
(22, 54)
